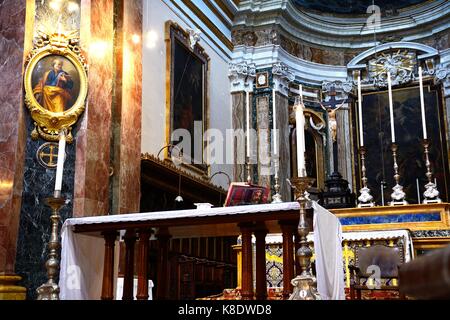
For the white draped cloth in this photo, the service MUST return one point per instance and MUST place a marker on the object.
(328, 251)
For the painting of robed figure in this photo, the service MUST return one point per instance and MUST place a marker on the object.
(55, 83)
(188, 69)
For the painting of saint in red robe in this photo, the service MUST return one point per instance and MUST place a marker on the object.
(54, 87)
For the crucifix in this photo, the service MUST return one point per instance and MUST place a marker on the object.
(331, 107)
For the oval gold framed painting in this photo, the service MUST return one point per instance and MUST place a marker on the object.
(55, 89)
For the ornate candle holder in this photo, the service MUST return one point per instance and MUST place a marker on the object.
(431, 194)
(305, 286)
(50, 289)
(398, 196)
(276, 198)
(365, 199)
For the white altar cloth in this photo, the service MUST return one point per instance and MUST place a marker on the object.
(82, 255)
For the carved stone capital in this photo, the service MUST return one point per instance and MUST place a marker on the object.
(242, 76)
(337, 86)
(282, 76)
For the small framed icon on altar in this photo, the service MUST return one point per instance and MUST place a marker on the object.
(241, 193)
(262, 80)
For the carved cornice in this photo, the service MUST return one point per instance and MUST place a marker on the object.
(242, 75)
(412, 24)
(170, 166)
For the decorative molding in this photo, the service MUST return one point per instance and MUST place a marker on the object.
(412, 46)
(338, 86)
(194, 37)
(242, 75)
(400, 64)
(169, 165)
(282, 76)
(340, 32)
(430, 233)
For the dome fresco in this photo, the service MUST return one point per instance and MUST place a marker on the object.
(353, 6)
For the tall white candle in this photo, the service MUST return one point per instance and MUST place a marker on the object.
(361, 131)
(247, 106)
(275, 137)
(391, 106)
(60, 164)
(422, 104)
(300, 122)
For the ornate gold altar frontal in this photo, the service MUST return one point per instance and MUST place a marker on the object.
(54, 106)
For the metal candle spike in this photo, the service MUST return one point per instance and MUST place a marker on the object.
(305, 286)
(249, 176)
(398, 196)
(431, 194)
(365, 199)
(50, 289)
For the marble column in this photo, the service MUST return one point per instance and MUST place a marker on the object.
(282, 76)
(109, 139)
(344, 144)
(238, 120)
(127, 108)
(241, 77)
(92, 167)
(285, 153)
(15, 39)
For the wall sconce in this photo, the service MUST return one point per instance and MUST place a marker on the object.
(229, 182)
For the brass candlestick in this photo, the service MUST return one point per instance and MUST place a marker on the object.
(249, 174)
(398, 196)
(365, 199)
(276, 198)
(305, 286)
(50, 289)
(431, 194)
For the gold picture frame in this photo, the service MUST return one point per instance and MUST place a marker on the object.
(180, 40)
(55, 84)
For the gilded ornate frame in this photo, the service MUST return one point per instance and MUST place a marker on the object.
(48, 124)
(174, 32)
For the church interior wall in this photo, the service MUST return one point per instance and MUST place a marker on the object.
(156, 13)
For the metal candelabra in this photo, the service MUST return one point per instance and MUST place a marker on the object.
(431, 194)
(50, 289)
(249, 174)
(398, 196)
(305, 286)
(365, 199)
(276, 198)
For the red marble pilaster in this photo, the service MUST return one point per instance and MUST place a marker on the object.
(92, 165)
(127, 108)
(13, 44)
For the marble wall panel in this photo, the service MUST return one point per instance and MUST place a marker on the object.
(285, 154)
(12, 127)
(127, 113)
(238, 120)
(93, 139)
(264, 145)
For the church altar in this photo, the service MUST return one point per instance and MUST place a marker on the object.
(84, 239)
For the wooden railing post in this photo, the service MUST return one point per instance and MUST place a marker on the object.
(108, 266)
(261, 281)
(162, 285)
(288, 257)
(247, 262)
(128, 281)
(142, 265)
